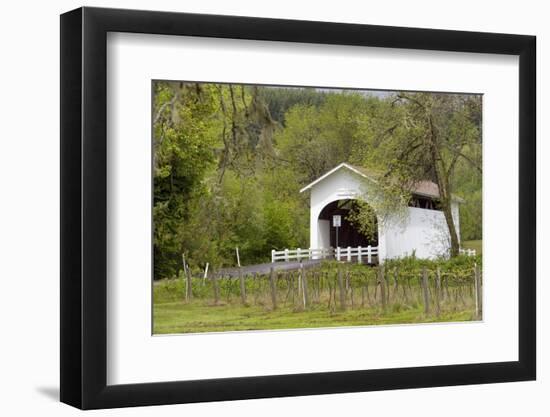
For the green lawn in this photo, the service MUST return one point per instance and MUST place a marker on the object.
(197, 316)
(474, 244)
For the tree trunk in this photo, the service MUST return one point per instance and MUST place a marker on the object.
(455, 245)
(444, 187)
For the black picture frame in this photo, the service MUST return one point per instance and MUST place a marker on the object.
(84, 207)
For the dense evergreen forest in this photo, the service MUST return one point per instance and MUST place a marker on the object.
(229, 161)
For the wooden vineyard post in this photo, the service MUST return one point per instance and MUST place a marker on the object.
(216, 289)
(382, 281)
(447, 293)
(188, 286)
(184, 275)
(300, 280)
(395, 284)
(315, 290)
(405, 296)
(330, 301)
(347, 281)
(341, 289)
(387, 284)
(243, 287)
(293, 288)
(478, 293)
(304, 285)
(424, 283)
(351, 290)
(273, 286)
(257, 285)
(438, 292)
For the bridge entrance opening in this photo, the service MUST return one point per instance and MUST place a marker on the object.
(348, 233)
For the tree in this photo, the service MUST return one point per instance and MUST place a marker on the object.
(183, 153)
(280, 99)
(316, 138)
(429, 135)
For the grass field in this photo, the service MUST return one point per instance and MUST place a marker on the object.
(196, 317)
(474, 244)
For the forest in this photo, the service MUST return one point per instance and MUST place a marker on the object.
(229, 161)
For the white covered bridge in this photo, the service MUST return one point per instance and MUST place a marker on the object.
(422, 231)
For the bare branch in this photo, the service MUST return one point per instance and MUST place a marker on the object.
(164, 105)
(466, 158)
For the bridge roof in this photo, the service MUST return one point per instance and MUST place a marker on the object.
(358, 170)
(422, 188)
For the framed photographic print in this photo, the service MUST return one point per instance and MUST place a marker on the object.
(256, 208)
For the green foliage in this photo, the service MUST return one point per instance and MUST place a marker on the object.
(363, 217)
(468, 185)
(459, 265)
(280, 100)
(316, 138)
(183, 153)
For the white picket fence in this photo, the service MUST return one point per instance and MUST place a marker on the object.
(359, 254)
(467, 252)
(298, 254)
